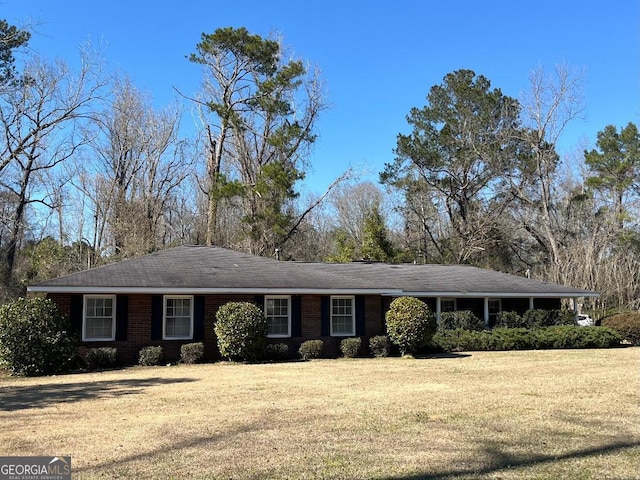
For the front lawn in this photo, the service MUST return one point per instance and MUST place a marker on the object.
(528, 414)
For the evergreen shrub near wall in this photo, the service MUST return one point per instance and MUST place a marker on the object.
(350, 347)
(277, 351)
(35, 338)
(464, 319)
(150, 356)
(191, 352)
(379, 346)
(311, 349)
(510, 320)
(548, 318)
(103, 357)
(241, 330)
(561, 336)
(410, 324)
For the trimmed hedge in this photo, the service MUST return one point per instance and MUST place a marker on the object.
(350, 347)
(464, 319)
(510, 320)
(150, 356)
(35, 338)
(562, 336)
(548, 318)
(191, 352)
(626, 324)
(311, 349)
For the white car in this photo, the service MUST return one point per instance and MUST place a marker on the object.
(584, 320)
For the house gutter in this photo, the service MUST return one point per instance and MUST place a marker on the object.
(300, 291)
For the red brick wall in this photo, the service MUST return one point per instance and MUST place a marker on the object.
(139, 326)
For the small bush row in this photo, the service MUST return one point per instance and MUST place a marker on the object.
(535, 319)
(561, 336)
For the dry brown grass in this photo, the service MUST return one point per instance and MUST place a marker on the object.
(538, 414)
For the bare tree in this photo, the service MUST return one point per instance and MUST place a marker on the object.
(136, 167)
(551, 104)
(39, 130)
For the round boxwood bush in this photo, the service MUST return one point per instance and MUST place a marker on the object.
(626, 324)
(150, 356)
(410, 324)
(350, 347)
(35, 338)
(311, 349)
(241, 329)
(192, 352)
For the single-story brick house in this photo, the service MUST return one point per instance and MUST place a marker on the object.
(170, 297)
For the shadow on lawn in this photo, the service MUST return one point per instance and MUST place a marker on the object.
(14, 398)
(499, 460)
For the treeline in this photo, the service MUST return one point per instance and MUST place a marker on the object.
(91, 172)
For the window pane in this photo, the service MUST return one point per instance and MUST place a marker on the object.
(447, 305)
(277, 313)
(177, 317)
(98, 318)
(342, 316)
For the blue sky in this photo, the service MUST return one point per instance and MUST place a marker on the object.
(378, 59)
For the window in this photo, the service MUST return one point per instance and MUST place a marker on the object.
(495, 307)
(447, 305)
(278, 313)
(99, 320)
(342, 316)
(178, 317)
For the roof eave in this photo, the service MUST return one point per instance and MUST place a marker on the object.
(299, 291)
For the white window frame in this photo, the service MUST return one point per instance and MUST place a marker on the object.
(499, 302)
(448, 299)
(353, 315)
(164, 317)
(85, 338)
(279, 297)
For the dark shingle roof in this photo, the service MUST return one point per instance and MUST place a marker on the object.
(212, 269)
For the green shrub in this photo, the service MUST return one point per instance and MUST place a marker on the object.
(379, 346)
(559, 336)
(410, 324)
(277, 351)
(350, 347)
(35, 338)
(103, 357)
(548, 318)
(192, 352)
(150, 356)
(626, 324)
(563, 317)
(510, 320)
(460, 319)
(241, 329)
(536, 318)
(311, 349)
